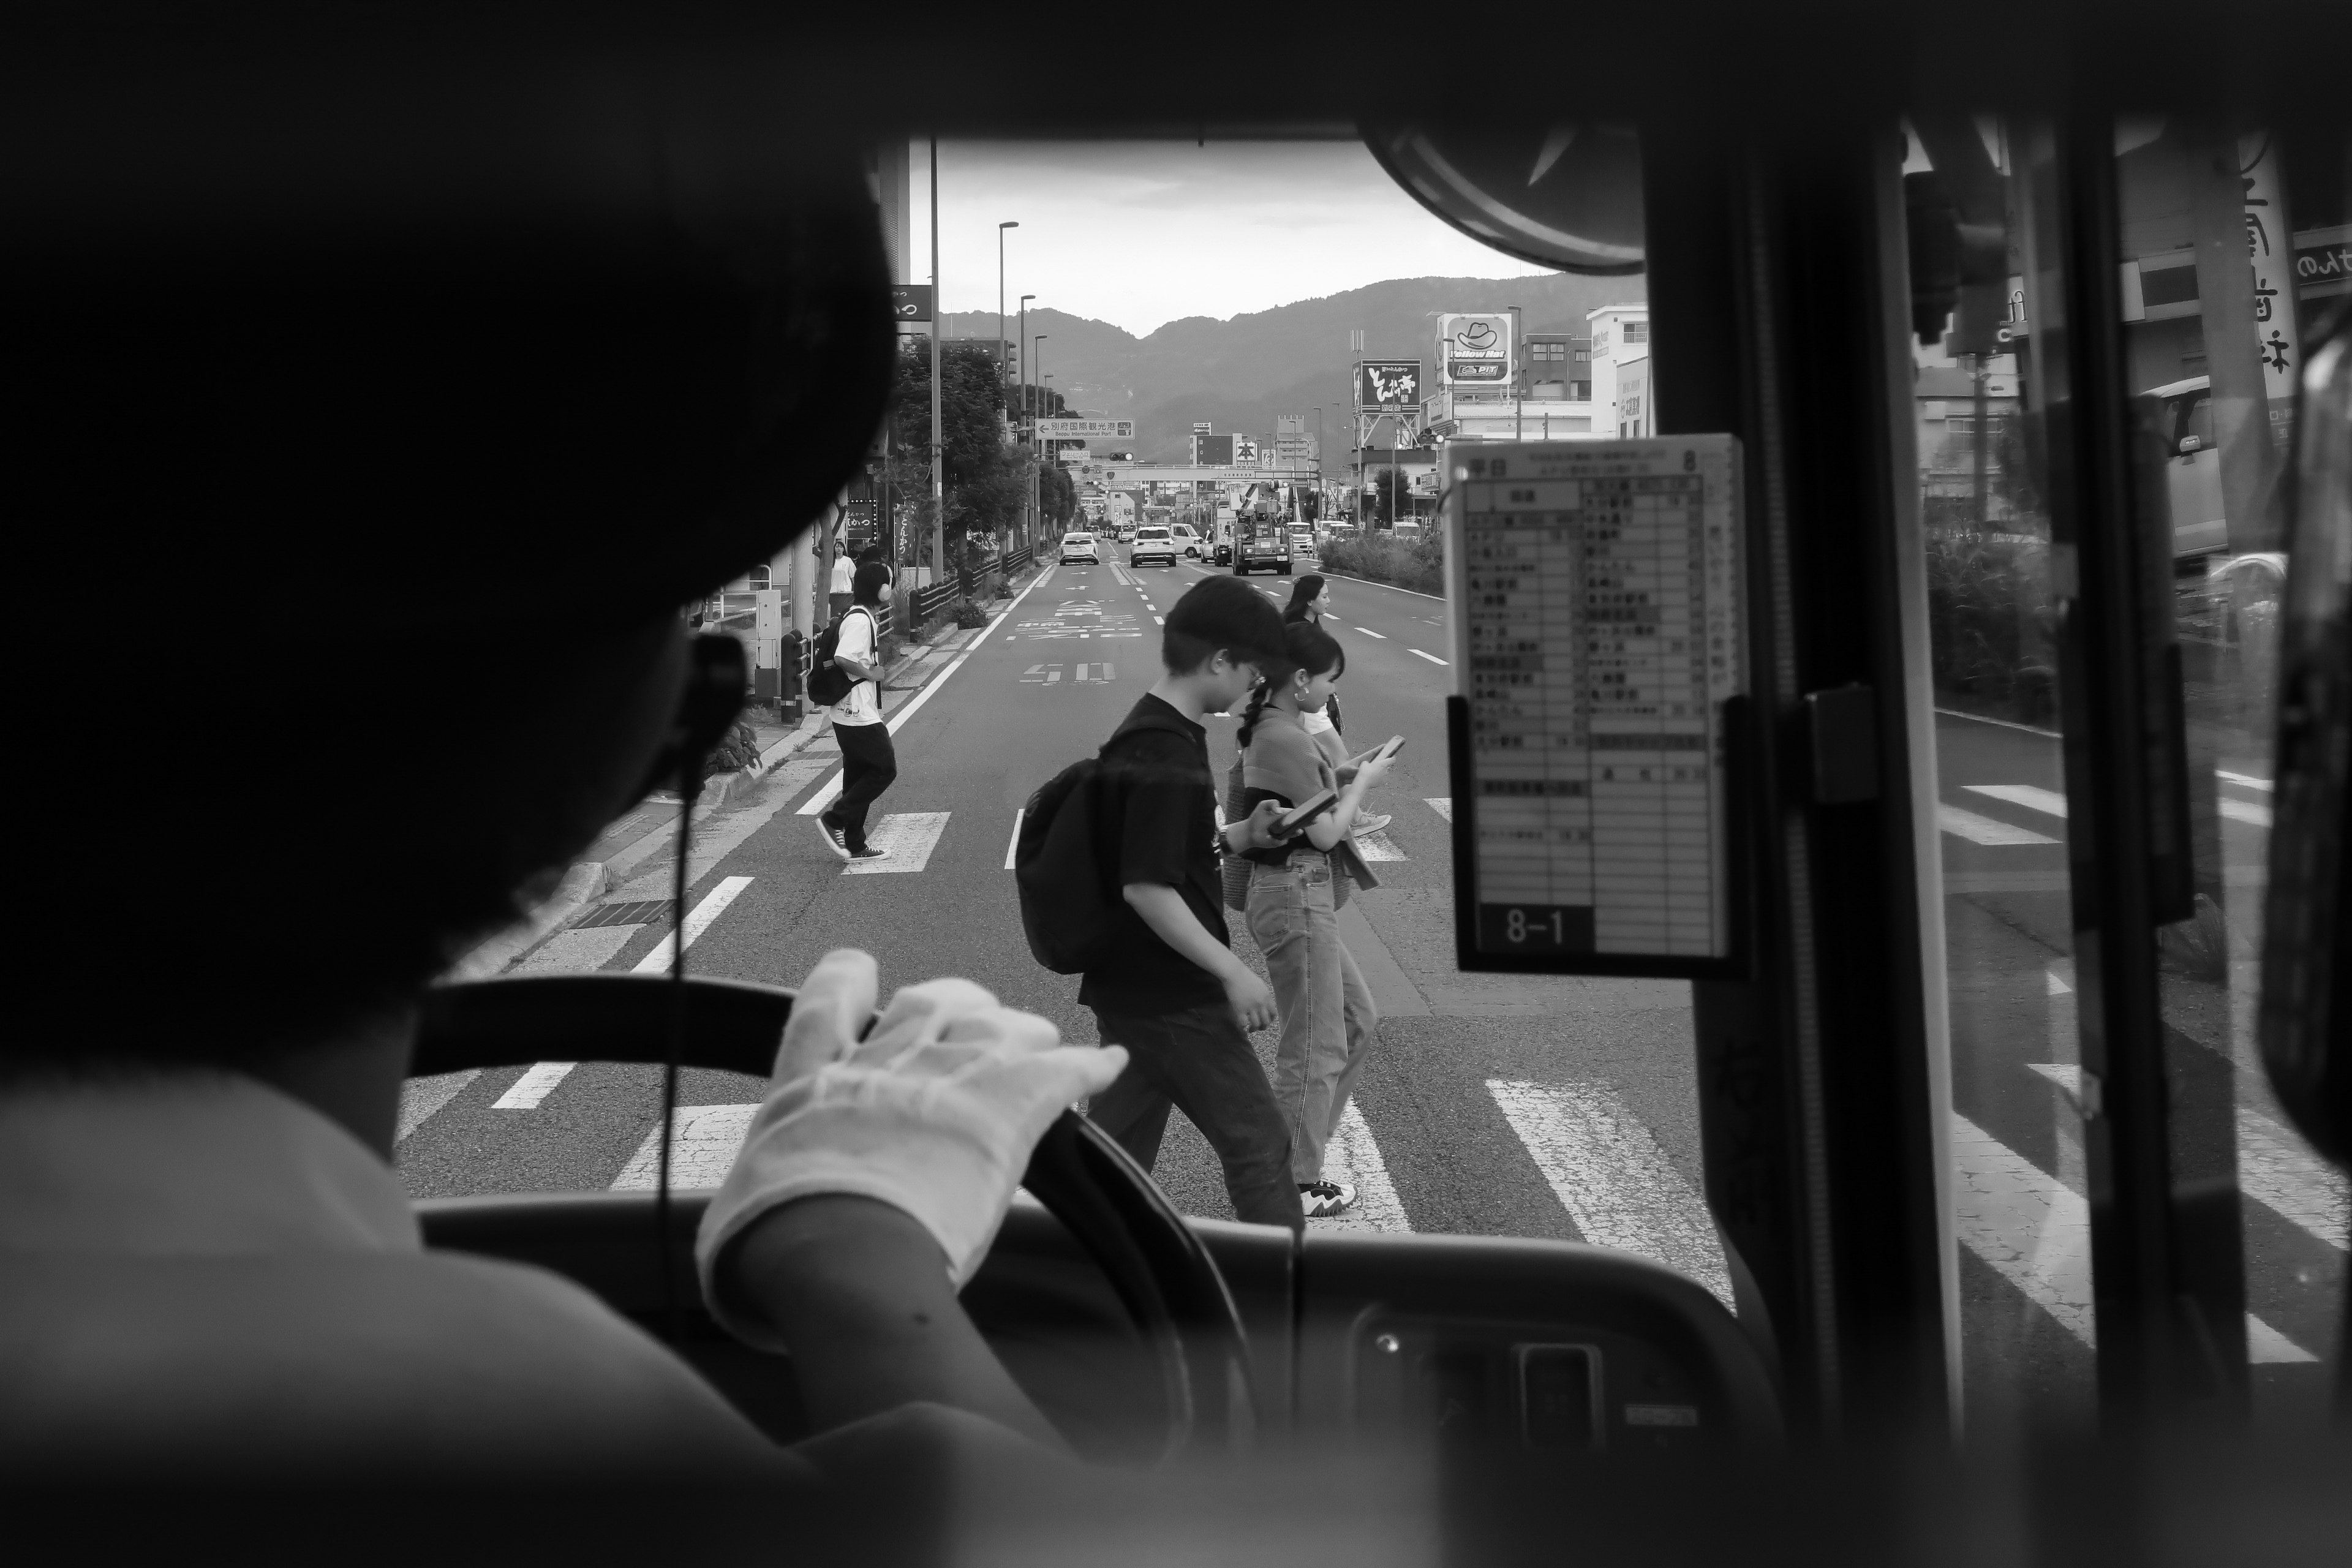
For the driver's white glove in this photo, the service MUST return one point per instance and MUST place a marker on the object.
(935, 1112)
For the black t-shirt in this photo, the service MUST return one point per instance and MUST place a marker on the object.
(1162, 802)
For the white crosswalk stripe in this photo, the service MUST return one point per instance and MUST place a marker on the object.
(533, 1086)
(421, 1097)
(2275, 1168)
(1012, 845)
(1442, 804)
(908, 836)
(1378, 847)
(1353, 1156)
(2031, 797)
(702, 1148)
(1988, 830)
(2035, 1232)
(1611, 1175)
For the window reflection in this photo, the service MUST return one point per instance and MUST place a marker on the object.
(2231, 243)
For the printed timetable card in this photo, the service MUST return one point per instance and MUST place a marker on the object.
(1597, 593)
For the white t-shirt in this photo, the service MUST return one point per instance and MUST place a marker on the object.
(1315, 723)
(863, 703)
(844, 570)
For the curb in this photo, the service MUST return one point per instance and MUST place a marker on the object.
(585, 881)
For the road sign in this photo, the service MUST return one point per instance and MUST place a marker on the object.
(910, 302)
(1473, 351)
(1079, 429)
(1385, 383)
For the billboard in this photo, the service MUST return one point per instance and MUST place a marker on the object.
(1473, 349)
(910, 302)
(1381, 384)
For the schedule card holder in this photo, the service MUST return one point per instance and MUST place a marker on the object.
(1600, 657)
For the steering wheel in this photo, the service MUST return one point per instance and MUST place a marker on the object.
(1161, 1272)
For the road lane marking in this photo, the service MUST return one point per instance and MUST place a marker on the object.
(421, 1097)
(1158, 620)
(2056, 983)
(1430, 656)
(697, 920)
(2275, 1168)
(1988, 830)
(1441, 804)
(2035, 1232)
(1378, 847)
(1370, 633)
(1372, 582)
(2003, 723)
(536, 1084)
(1353, 1156)
(702, 1146)
(1611, 1175)
(908, 836)
(2246, 811)
(1012, 847)
(2031, 797)
(2248, 781)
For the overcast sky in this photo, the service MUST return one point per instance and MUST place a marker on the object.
(1139, 234)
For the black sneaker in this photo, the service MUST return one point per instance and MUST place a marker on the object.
(1321, 1200)
(835, 838)
(868, 853)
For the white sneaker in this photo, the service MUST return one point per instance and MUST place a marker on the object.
(1371, 824)
(1321, 1200)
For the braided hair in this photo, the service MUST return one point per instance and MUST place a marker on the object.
(1305, 646)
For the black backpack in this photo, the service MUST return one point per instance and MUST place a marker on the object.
(1060, 868)
(828, 683)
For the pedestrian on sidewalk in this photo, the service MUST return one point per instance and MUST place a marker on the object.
(1310, 601)
(843, 579)
(868, 763)
(1167, 985)
(1296, 891)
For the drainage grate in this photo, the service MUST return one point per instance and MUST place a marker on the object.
(644, 913)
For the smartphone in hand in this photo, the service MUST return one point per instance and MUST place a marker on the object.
(1295, 819)
(1388, 748)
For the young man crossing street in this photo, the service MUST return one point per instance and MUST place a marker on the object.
(868, 763)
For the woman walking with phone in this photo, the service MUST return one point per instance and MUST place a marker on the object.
(1292, 899)
(1310, 601)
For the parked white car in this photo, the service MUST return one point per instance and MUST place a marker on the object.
(1081, 547)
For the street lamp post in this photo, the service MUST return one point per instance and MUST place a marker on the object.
(1029, 423)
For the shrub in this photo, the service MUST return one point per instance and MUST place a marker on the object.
(1409, 560)
(1988, 624)
(968, 614)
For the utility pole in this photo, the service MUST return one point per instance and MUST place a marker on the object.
(1518, 395)
(938, 323)
(1044, 411)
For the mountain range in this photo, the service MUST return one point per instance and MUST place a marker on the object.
(1239, 372)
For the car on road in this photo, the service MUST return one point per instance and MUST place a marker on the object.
(1186, 539)
(1081, 547)
(1302, 540)
(1152, 543)
(1261, 543)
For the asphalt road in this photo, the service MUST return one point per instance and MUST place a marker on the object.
(1495, 1105)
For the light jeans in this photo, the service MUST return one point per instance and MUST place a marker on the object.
(1328, 1017)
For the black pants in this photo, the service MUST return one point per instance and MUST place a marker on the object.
(1199, 1060)
(868, 764)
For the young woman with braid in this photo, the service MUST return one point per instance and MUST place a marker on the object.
(1293, 900)
(1310, 601)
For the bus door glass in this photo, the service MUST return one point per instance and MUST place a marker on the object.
(2223, 232)
(2021, 1220)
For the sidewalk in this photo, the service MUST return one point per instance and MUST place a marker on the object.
(648, 828)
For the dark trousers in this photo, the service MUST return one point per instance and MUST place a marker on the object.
(868, 764)
(1199, 1060)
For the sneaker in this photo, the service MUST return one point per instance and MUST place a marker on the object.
(835, 836)
(1321, 1200)
(1371, 824)
(868, 853)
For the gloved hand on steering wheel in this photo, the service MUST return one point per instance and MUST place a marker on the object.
(935, 1113)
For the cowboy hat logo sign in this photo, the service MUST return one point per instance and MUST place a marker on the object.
(1474, 350)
